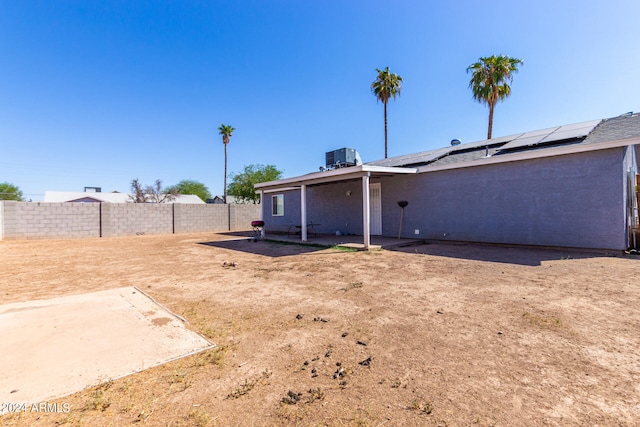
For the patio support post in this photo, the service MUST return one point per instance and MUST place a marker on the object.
(366, 230)
(303, 212)
(262, 212)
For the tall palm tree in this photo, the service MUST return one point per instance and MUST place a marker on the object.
(226, 132)
(490, 81)
(386, 85)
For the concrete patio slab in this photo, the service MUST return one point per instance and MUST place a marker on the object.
(52, 348)
(350, 241)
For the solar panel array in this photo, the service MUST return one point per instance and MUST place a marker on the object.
(410, 159)
(544, 136)
(505, 143)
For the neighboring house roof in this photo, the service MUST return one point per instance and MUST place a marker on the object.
(79, 196)
(220, 200)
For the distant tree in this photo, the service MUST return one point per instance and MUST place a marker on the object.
(10, 192)
(490, 81)
(387, 85)
(150, 193)
(242, 184)
(187, 186)
(226, 132)
(137, 192)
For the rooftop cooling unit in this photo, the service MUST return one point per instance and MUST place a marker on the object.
(341, 158)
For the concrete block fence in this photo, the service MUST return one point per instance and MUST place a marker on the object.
(39, 220)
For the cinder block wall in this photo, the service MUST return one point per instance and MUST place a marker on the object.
(39, 220)
(129, 219)
(1, 220)
(240, 216)
(195, 218)
(50, 220)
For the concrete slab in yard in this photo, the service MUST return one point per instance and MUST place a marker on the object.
(52, 348)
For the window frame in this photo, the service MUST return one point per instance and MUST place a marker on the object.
(277, 205)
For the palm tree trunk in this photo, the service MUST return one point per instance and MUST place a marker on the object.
(490, 130)
(224, 199)
(385, 131)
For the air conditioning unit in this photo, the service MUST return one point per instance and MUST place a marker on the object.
(341, 158)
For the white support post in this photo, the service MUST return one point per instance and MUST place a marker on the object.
(303, 212)
(262, 212)
(366, 229)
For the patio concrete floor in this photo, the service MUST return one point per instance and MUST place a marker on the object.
(350, 241)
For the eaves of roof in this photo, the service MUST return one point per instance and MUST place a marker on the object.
(334, 175)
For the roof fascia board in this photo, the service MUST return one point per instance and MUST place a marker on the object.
(388, 169)
(293, 183)
(342, 174)
(537, 154)
(278, 189)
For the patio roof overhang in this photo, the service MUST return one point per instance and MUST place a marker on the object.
(363, 172)
(335, 175)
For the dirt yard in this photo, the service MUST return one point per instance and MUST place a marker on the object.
(430, 335)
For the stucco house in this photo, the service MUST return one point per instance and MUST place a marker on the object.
(566, 186)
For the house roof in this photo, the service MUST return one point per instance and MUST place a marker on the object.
(80, 196)
(616, 128)
(585, 136)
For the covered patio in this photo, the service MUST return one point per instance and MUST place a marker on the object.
(351, 241)
(364, 173)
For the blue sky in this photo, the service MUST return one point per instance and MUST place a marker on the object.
(99, 93)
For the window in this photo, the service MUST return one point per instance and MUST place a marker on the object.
(277, 205)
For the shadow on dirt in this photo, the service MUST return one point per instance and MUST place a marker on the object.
(266, 247)
(502, 254)
(519, 255)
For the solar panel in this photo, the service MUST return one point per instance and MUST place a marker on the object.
(576, 130)
(560, 133)
(409, 159)
(529, 138)
(486, 142)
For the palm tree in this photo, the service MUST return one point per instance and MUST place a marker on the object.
(226, 132)
(386, 85)
(490, 81)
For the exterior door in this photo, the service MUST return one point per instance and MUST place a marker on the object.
(375, 209)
